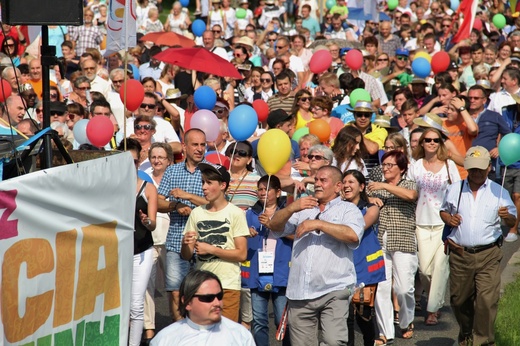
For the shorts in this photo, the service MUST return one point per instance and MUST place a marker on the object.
(512, 180)
(176, 269)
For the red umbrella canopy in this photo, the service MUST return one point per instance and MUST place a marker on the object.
(199, 59)
(168, 39)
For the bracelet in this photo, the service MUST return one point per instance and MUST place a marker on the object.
(174, 208)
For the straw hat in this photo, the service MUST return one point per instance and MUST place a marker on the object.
(246, 41)
(431, 120)
(363, 106)
(174, 94)
(384, 121)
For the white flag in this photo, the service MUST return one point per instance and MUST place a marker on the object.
(121, 26)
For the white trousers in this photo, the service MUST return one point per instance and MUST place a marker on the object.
(434, 264)
(401, 268)
(158, 265)
(141, 274)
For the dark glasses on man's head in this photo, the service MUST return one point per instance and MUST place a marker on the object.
(146, 127)
(209, 298)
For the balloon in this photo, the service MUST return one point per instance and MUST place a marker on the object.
(499, 20)
(423, 54)
(354, 59)
(320, 61)
(240, 13)
(392, 4)
(421, 67)
(261, 109)
(242, 122)
(6, 90)
(330, 3)
(134, 94)
(477, 24)
(359, 95)
(80, 131)
(440, 62)
(302, 131)
(274, 150)
(208, 122)
(508, 148)
(321, 129)
(205, 97)
(454, 5)
(185, 3)
(100, 130)
(198, 27)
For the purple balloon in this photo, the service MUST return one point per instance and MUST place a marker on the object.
(206, 121)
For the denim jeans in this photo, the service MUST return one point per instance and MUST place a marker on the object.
(260, 301)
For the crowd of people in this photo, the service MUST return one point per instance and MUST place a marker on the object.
(403, 197)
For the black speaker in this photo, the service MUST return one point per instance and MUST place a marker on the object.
(42, 12)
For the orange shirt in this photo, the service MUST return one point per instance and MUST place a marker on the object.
(38, 87)
(458, 134)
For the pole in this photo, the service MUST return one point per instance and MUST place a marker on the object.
(48, 58)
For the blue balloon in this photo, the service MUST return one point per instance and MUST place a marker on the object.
(454, 4)
(421, 67)
(198, 27)
(185, 3)
(205, 98)
(242, 122)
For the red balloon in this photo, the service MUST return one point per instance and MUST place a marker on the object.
(321, 129)
(262, 109)
(320, 61)
(440, 62)
(100, 130)
(6, 90)
(354, 59)
(477, 24)
(134, 94)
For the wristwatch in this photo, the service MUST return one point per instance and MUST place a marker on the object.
(461, 109)
(149, 222)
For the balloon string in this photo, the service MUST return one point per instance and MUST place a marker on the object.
(232, 155)
(266, 194)
(219, 159)
(502, 186)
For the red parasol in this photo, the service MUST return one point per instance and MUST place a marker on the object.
(168, 39)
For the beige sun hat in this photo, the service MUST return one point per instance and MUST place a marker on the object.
(431, 120)
(173, 94)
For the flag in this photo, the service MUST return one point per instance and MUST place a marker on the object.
(468, 9)
(121, 26)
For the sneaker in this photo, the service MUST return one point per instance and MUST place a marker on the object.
(511, 237)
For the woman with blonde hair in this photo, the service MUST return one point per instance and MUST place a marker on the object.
(433, 172)
(347, 149)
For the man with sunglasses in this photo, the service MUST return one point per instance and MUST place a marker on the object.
(201, 297)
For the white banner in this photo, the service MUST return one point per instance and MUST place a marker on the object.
(121, 26)
(66, 249)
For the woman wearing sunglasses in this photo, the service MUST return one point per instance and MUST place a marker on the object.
(433, 172)
(302, 108)
(267, 81)
(144, 129)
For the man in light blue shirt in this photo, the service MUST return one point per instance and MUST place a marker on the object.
(309, 22)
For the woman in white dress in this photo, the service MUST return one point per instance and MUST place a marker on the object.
(177, 20)
(433, 172)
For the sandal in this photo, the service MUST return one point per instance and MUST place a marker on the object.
(381, 341)
(431, 320)
(408, 332)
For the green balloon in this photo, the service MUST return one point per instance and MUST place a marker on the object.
(241, 13)
(302, 131)
(392, 4)
(499, 20)
(330, 3)
(508, 148)
(359, 95)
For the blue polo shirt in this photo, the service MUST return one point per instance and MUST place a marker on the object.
(311, 24)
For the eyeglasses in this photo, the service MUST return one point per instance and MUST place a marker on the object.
(265, 80)
(147, 127)
(250, 30)
(53, 95)
(280, 47)
(315, 157)
(382, 59)
(272, 40)
(242, 153)
(160, 158)
(446, 25)
(305, 99)
(391, 148)
(494, 39)
(216, 31)
(237, 55)
(84, 88)
(57, 114)
(147, 105)
(10, 45)
(209, 298)
(429, 140)
(119, 81)
(38, 111)
(220, 111)
(71, 116)
(402, 57)
(388, 165)
(475, 97)
(89, 68)
(362, 115)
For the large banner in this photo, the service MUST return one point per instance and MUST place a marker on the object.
(66, 249)
(121, 25)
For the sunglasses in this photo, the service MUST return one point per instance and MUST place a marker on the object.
(265, 80)
(435, 140)
(388, 165)
(84, 88)
(446, 25)
(402, 57)
(72, 116)
(54, 95)
(315, 157)
(209, 298)
(382, 59)
(119, 81)
(494, 39)
(147, 127)
(220, 111)
(38, 111)
(250, 29)
(216, 31)
(59, 114)
(305, 99)
(363, 115)
(280, 47)
(237, 55)
(147, 105)
(272, 40)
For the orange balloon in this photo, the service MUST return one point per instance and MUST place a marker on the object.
(321, 129)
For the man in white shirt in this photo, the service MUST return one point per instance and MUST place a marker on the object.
(89, 67)
(208, 40)
(282, 48)
(201, 296)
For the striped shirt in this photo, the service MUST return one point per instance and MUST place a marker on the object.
(277, 102)
(178, 176)
(243, 193)
(320, 263)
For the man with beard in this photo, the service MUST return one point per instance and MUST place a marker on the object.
(87, 35)
(89, 68)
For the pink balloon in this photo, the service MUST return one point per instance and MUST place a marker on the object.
(100, 130)
(354, 59)
(477, 24)
(320, 61)
(208, 122)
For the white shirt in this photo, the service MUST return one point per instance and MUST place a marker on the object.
(480, 221)
(100, 85)
(295, 64)
(221, 52)
(500, 99)
(188, 333)
(164, 131)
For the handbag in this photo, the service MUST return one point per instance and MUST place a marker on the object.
(362, 297)
(447, 228)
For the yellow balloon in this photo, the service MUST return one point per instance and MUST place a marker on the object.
(423, 54)
(274, 150)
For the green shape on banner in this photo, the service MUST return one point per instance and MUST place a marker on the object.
(65, 338)
(110, 335)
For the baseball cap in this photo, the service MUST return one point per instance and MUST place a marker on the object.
(402, 51)
(276, 117)
(452, 66)
(58, 107)
(477, 157)
(220, 170)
